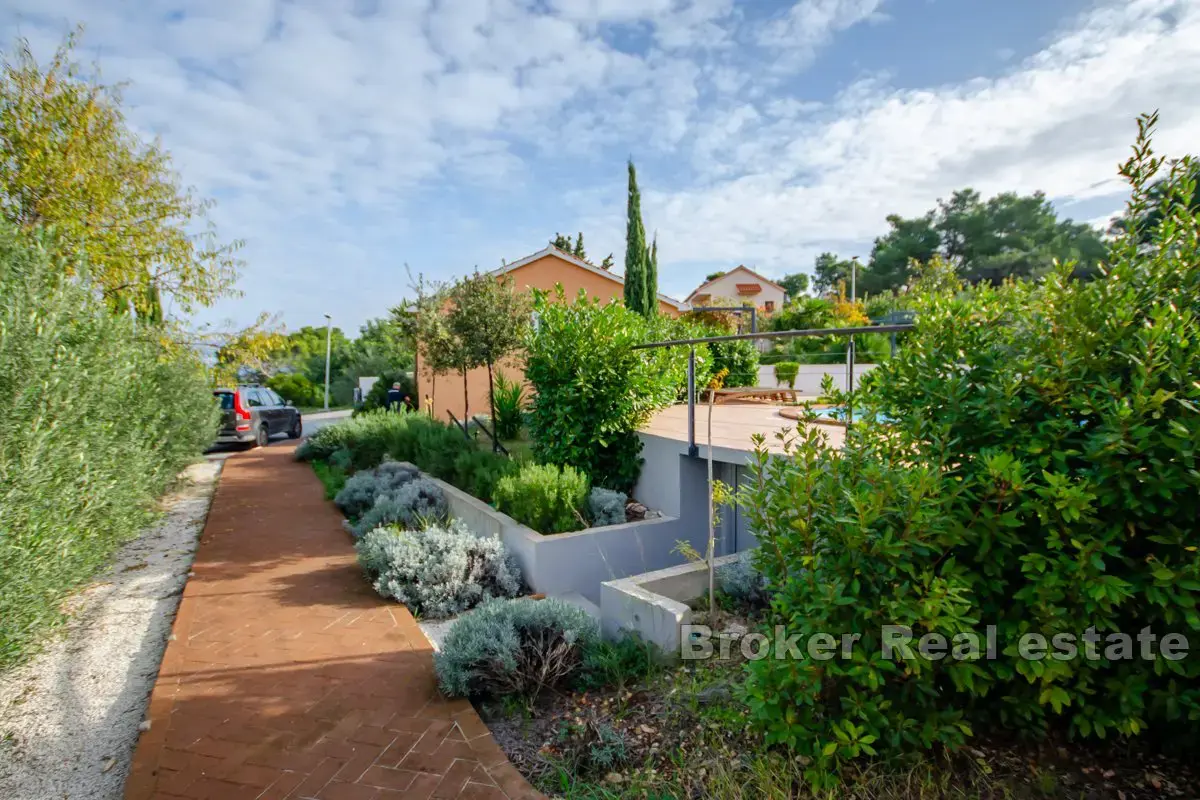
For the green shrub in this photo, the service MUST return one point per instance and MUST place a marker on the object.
(606, 507)
(477, 472)
(343, 459)
(368, 437)
(297, 389)
(786, 372)
(740, 357)
(439, 571)
(773, 357)
(545, 497)
(332, 477)
(435, 448)
(414, 504)
(516, 648)
(376, 397)
(1038, 473)
(618, 664)
(96, 420)
(592, 391)
(510, 407)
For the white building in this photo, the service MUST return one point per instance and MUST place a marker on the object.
(739, 286)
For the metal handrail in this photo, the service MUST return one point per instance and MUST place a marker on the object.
(778, 335)
(693, 449)
(496, 446)
(460, 425)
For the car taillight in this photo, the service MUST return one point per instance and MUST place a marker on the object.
(239, 409)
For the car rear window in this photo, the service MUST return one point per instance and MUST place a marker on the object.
(225, 399)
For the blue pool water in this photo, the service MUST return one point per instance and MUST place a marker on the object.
(839, 413)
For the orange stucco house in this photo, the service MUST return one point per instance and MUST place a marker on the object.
(542, 270)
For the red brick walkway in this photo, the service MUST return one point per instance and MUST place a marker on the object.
(288, 677)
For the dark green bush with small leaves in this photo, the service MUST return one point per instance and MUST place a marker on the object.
(1038, 472)
(592, 391)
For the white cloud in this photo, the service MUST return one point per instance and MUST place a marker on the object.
(1060, 122)
(324, 132)
(811, 24)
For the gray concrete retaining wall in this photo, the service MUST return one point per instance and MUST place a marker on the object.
(577, 563)
(655, 604)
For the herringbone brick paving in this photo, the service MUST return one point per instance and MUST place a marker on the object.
(288, 677)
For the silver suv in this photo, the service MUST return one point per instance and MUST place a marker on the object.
(255, 414)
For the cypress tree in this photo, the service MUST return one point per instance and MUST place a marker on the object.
(652, 280)
(579, 251)
(635, 248)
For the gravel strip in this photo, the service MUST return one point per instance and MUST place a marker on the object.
(69, 718)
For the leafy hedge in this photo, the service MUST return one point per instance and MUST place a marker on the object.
(437, 449)
(546, 497)
(96, 420)
(1039, 473)
(592, 391)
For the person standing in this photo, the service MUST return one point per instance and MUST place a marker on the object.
(395, 397)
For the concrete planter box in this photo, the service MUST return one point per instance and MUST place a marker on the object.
(576, 563)
(655, 604)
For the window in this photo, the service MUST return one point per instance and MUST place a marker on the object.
(253, 400)
(225, 399)
(769, 306)
(276, 400)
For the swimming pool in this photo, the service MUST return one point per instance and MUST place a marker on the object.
(827, 415)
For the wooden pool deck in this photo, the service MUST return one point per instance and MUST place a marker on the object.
(732, 426)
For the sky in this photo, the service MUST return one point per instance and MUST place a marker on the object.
(349, 143)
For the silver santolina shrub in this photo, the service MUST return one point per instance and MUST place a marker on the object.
(416, 503)
(514, 647)
(363, 488)
(741, 581)
(606, 507)
(439, 571)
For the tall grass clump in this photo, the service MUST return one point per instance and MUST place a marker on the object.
(97, 417)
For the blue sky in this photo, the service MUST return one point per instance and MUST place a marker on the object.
(344, 140)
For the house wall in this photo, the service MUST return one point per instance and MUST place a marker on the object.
(725, 288)
(446, 389)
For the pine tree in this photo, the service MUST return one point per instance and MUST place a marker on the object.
(607, 263)
(563, 243)
(651, 307)
(635, 248)
(579, 252)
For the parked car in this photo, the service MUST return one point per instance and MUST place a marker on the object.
(255, 414)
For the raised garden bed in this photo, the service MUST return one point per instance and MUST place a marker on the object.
(577, 562)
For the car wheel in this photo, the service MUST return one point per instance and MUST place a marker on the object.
(263, 437)
(297, 428)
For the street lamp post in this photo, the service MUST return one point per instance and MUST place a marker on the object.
(328, 340)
